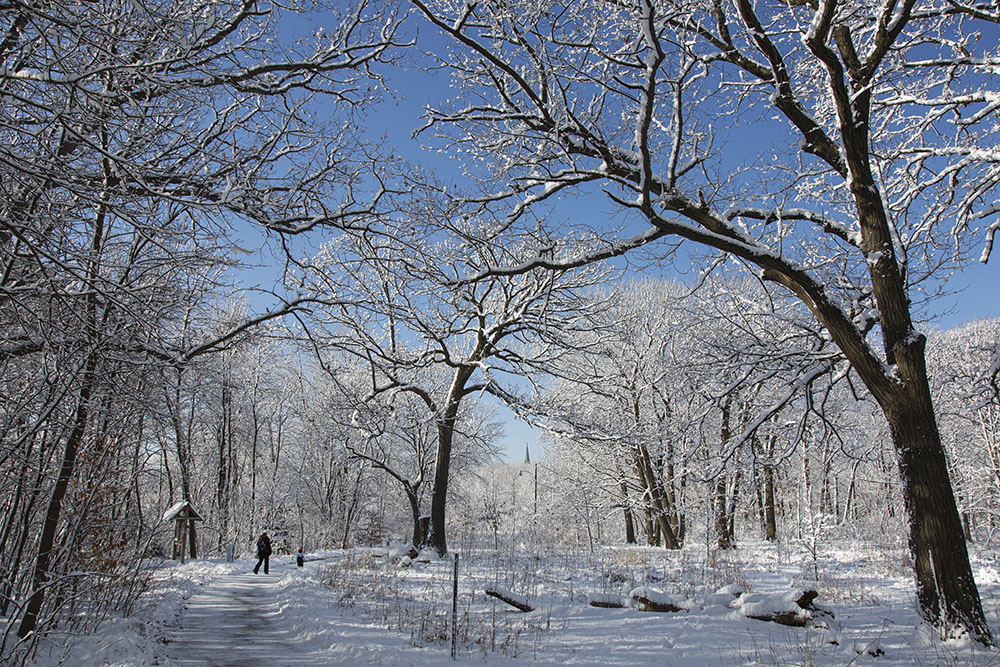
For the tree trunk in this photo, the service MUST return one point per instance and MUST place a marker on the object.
(629, 521)
(439, 492)
(645, 501)
(770, 525)
(224, 438)
(627, 509)
(731, 509)
(805, 498)
(724, 539)
(442, 468)
(418, 533)
(722, 532)
(657, 498)
(353, 503)
(81, 418)
(676, 520)
(849, 511)
(652, 534)
(946, 589)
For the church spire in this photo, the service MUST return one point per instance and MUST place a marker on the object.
(527, 456)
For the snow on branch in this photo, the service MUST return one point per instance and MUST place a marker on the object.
(829, 225)
(540, 261)
(803, 384)
(217, 343)
(991, 232)
(948, 62)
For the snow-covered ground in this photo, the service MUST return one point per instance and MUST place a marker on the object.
(377, 607)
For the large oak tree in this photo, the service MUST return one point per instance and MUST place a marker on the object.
(842, 151)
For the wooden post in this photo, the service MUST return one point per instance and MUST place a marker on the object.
(175, 554)
(184, 532)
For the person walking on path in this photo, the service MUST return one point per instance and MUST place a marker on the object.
(263, 553)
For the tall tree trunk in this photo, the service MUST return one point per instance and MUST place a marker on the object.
(722, 534)
(418, 533)
(224, 476)
(439, 492)
(652, 534)
(669, 483)
(629, 521)
(626, 505)
(18, 509)
(849, 512)
(770, 524)
(646, 502)
(946, 588)
(88, 381)
(657, 498)
(442, 467)
(660, 503)
(731, 509)
(253, 468)
(805, 496)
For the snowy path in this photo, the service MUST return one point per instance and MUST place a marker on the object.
(284, 619)
(235, 623)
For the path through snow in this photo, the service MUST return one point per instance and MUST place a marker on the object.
(276, 620)
(235, 623)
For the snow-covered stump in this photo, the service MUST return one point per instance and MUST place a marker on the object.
(606, 601)
(725, 596)
(647, 600)
(795, 608)
(517, 601)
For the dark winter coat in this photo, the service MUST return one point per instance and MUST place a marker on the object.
(263, 547)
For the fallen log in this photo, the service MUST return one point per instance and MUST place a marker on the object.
(795, 609)
(515, 601)
(646, 604)
(647, 600)
(604, 601)
(794, 619)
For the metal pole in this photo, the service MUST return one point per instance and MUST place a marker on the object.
(454, 611)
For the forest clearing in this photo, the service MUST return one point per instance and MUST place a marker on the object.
(319, 274)
(370, 606)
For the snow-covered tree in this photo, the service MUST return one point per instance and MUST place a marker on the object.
(961, 365)
(135, 137)
(401, 310)
(879, 160)
(687, 388)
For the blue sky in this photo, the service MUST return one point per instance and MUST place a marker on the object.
(979, 297)
(976, 286)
